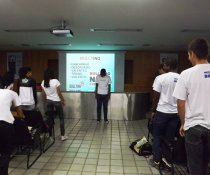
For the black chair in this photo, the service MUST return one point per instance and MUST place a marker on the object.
(27, 141)
(35, 118)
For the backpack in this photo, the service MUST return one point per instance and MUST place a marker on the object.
(141, 147)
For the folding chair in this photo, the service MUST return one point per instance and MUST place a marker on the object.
(27, 142)
(35, 118)
(48, 140)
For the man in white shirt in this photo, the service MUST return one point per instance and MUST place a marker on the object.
(164, 109)
(193, 100)
(103, 86)
(7, 132)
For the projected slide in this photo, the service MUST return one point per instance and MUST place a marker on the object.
(82, 69)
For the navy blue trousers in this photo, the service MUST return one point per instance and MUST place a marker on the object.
(165, 125)
(102, 100)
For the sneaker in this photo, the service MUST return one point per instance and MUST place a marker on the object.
(98, 121)
(64, 138)
(154, 163)
(106, 121)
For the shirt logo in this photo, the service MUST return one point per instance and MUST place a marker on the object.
(25, 80)
(207, 74)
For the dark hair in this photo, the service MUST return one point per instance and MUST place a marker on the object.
(48, 74)
(200, 47)
(171, 62)
(8, 79)
(103, 72)
(161, 66)
(23, 71)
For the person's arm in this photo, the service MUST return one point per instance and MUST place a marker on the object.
(16, 103)
(34, 91)
(96, 90)
(44, 96)
(157, 87)
(60, 95)
(181, 110)
(109, 91)
(19, 112)
(18, 86)
(155, 100)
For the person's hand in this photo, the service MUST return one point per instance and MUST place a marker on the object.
(96, 95)
(14, 114)
(63, 102)
(181, 130)
(108, 96)
(152, 115)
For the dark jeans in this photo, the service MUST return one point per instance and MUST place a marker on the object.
(166, 125)
(6, 138)
(197, 142)
(55, 108)
(102, 100)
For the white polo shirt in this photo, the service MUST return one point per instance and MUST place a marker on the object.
(103, 84)
(165, 84)
(51, 92)
(193, 86)
(7, 98)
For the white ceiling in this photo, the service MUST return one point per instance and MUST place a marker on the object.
(161, 21)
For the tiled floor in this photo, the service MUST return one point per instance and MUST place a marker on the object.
(91, 149)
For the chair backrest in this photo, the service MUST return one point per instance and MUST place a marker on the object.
(33, 118)
(22, 135)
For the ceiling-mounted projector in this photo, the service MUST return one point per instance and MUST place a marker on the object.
(62, 32)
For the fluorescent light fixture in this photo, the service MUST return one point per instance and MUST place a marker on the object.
(113, 44)
(115, 30)
(57, 44)
(146, 45)
(195, 31)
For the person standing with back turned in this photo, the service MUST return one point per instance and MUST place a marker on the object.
(193, 100)
(55, 100)
(27, 89)
(102, 92)
(164, 109)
